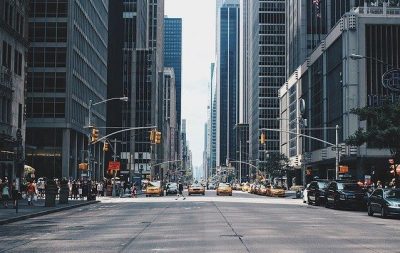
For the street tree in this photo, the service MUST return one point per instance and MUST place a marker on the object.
(275, 164)
(383, 128)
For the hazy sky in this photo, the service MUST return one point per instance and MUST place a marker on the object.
(198, 39)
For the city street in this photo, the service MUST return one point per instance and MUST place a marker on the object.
(241, 223)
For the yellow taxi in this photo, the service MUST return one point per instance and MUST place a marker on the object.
(196, 188)
(245, 187)
(276, 191)
(154, 189)
(224, 189)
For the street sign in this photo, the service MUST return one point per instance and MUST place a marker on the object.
(343, 169)
(124, 172)
(113, 165)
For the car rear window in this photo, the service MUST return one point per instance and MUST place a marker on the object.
(349, 187)
(393, 194)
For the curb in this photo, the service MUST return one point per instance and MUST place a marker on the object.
(32, 215)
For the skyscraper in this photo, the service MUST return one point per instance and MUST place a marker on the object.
(249, 69)
(173, 56)
(227, 79)
(212, 122)
(141, 56)
(67, 67)
(271, 74)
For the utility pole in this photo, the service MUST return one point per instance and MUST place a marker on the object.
(337, 152)
(240, 165)
(114, 171)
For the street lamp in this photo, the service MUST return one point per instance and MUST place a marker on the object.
(124, 99)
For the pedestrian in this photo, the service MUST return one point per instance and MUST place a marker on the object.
(180, 191)
(379, 184)
(14, 193)
(80, 189)
(99, 188)
(31, 191)
(133, 191)
(5, 193)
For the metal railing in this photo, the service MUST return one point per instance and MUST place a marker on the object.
(377, 11)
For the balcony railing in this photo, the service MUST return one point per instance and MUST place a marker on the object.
(377, 11)
(6, 78)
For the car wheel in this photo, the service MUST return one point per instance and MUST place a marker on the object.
(230, 194)
(335, 205)
(326, 203)
(383, 212)
(370, 212)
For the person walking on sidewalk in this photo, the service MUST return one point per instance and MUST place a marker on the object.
(31, 191)
(180, 191)
(5, 193)
(14, 193)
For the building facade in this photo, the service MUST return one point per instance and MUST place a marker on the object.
(138, 74)
(227, 80)
(212, 123)
(170, 127)
(13, 52)
(307, 23)
(332, 83)
(271, 73)
(67, 68)
(249, 78)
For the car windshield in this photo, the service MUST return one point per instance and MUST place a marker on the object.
(196, 185)
(154, 184)
(223, 185)
(349, 187)
(393, 194)
(172, 185)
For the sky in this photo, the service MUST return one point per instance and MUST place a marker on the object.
(198, 52)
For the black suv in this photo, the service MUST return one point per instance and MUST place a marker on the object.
(344, 194)
(316, 192)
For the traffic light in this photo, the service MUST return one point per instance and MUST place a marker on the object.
(158, 138)
(83, 166)
(152, 136)
(263, 137)
(95, 134)
(105, 147)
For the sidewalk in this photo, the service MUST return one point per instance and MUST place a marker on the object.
(8, 215)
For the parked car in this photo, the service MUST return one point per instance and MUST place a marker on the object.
(196, 188)
(344, 194)
(275, 191)
(171, 188)
(262, 190)
(305, 194)
(384, 201)
(224, 189)
(246, 187)
(316, 192)
(154, 188)
(211, 186)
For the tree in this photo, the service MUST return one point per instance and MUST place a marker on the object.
(275, 163)
(383, 129)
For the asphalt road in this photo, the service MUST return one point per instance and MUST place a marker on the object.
(241, 223)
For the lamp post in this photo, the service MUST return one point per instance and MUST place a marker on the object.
(125, 99)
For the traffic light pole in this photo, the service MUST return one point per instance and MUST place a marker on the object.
(114, 171)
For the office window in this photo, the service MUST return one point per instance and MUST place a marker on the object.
(17, 63)
(6, 58)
